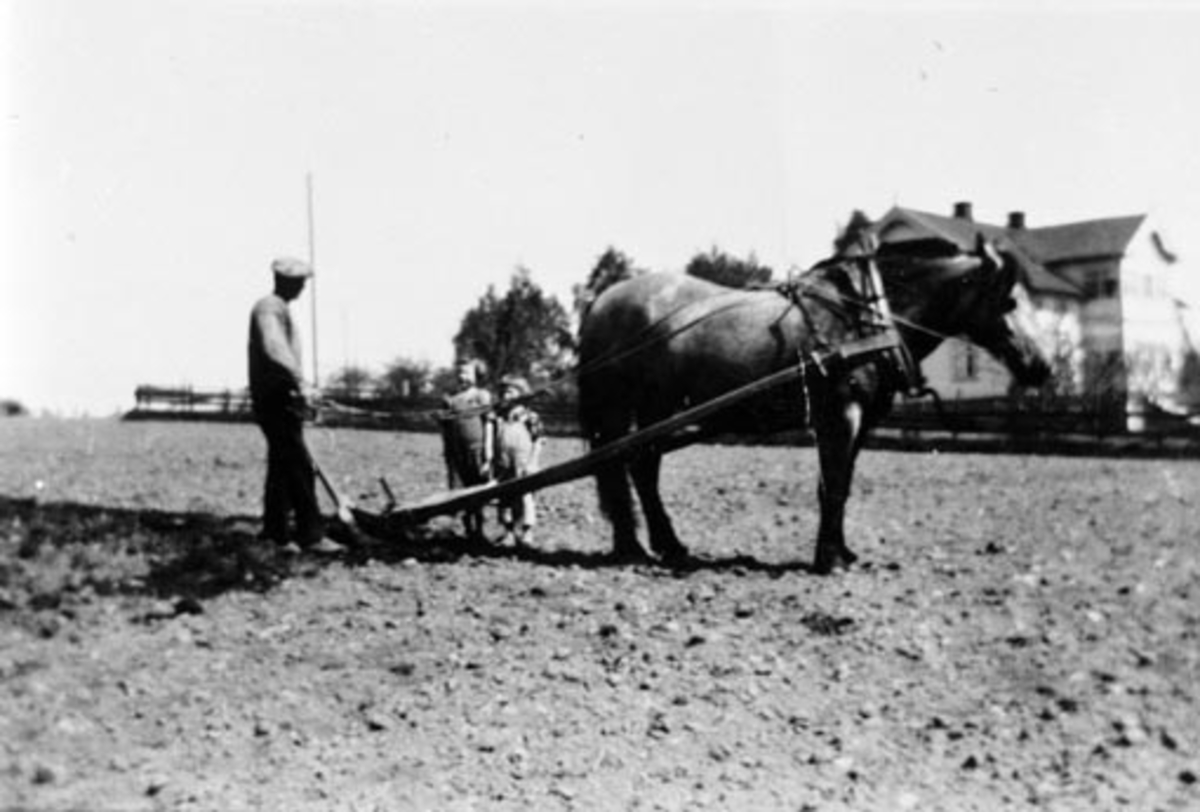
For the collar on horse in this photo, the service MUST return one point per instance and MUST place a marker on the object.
(878, 338)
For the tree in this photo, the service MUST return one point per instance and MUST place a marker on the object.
(12, 408)
(405, 378)
(612, 267)
(524, 332)
(443, 381)
(350, 381)
(717, 266)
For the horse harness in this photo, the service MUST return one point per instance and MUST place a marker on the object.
(878, 338)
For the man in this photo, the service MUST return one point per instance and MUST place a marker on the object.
(467, 440)
(279, 404)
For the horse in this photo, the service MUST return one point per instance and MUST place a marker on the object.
(659, 343)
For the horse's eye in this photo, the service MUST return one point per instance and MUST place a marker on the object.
(1010, 304)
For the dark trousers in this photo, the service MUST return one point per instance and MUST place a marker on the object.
(291, 479)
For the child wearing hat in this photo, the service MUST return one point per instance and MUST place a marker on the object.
(518, 443)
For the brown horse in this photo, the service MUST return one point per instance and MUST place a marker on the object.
(659, 343)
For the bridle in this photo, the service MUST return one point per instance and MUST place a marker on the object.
(878, 337)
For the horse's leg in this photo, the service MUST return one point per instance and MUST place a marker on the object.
(616, 503)
(605, 418)
(645, 469)
(612, 487)
(838, 442)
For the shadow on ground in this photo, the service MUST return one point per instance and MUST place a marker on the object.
(53, 553)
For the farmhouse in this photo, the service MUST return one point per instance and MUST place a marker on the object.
(1096, 294)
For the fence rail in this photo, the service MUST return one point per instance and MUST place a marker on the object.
(1003, 422)
(187, 402)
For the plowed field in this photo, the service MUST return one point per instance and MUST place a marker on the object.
(1023, 633)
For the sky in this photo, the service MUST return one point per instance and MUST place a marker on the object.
(159, 155)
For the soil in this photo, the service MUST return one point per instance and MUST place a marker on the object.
(1021, 633)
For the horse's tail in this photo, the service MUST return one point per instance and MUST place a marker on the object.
(595, 403)
(604, 418)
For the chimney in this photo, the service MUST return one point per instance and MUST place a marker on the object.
(962, 210)
(1016, 220)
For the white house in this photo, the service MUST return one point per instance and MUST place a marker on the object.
(1097, 294)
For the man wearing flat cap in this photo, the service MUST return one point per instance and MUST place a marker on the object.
(279, 404)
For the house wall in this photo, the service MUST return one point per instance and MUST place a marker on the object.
(1056, 323)
(1155, 342)
(1126, 343)
(1101, 326)
(959, 370)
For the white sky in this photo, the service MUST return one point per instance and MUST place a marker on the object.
(157, 153)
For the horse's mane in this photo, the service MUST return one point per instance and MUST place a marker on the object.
(832, 273)
(895, 260)
(922, 250)
(894, 256)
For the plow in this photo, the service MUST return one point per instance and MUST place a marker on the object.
(877, 339)
(670, 434)
(839, 321)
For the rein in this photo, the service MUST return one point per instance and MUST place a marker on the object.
(649, 336)
(880, 339)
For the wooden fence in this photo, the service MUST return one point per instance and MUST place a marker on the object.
(979, 424)
(189, 403)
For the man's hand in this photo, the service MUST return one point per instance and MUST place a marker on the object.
(300, 404)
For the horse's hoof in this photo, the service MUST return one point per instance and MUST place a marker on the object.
(676, 557)
(842, 559)
(683, 563)
(829, 566)
(628, 555)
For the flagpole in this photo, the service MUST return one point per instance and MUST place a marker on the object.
(312, 262)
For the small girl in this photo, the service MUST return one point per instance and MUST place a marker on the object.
(518, 443)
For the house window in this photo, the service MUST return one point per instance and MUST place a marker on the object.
(966, 361)
(1099, 284)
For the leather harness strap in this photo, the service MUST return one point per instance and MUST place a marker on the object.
(879, 337)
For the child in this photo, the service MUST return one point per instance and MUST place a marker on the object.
(518, 442)
(467, 440)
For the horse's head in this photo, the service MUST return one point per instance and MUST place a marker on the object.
(966, 294)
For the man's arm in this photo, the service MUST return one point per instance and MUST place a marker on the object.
(275, 344)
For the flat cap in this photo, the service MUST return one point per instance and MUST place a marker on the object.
(291, 268)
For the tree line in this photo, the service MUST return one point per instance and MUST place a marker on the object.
(522, 330)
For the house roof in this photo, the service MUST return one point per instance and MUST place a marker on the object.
(901, 224)
(1075, 241)
(1035, 250)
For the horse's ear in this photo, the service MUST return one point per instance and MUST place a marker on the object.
(1002, 262)
(987, 251)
